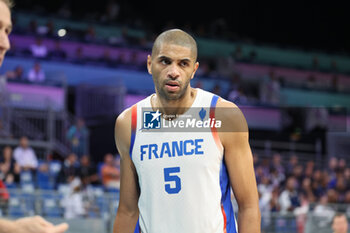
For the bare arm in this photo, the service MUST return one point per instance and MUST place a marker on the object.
(128, 212)
(31, 225)
(239, 162)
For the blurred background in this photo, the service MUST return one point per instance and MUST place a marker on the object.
(75, 65)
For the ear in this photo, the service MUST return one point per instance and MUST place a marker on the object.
(149, 64)
(196, 65)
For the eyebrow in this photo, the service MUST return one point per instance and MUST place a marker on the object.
(165, 57)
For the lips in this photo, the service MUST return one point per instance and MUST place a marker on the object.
(172, 85)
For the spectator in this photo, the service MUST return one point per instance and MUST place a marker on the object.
(106, 58)
(110, 173)
(65, 10)
(225, 66)
(333, 66)
(87, 173)
(38, 49)
(4, 198)
(270, 89)
(50, 29)
(9, 167)
(73, 202)
(315, 63)
(111, 12)
(252, 56)
(3, 90)
(16, 74)
(78, 136)
(32, 27)
(298, 173)
(347, 202)
(332, 166)
(347, 177)
(238, 96)
(311, 83)
(289, 199)
(265, 196)
(277, 163)
(217, 89)
(79, 56)
(25, 156)
(335, 84)
(277, 177)
(274, 202)
(90, 34)
(36, 74)
(58, 52)
(306, 190)
(69, 169)
(292, 163)
(237, 54)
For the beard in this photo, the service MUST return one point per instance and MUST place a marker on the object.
(163, 93)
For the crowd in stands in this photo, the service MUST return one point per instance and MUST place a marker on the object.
(265, 91)
(21, 169)
(285, 186)
(296, 188)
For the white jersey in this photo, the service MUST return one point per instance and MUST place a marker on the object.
(184, 184)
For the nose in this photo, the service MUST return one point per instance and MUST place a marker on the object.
(173, 71)
(4, 42)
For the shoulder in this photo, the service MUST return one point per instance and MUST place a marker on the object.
(16, 150)
(122, 131)
(124, 119)
(231, 116)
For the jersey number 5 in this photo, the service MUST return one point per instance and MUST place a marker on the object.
(170, 177)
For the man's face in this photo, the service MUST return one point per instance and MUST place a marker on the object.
(172, 70)
(340, 224)
(5, 29)
(109, 159)
(24, 142)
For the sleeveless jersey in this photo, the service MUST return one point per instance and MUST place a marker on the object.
(183, 180)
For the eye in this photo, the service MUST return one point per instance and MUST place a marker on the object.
(165, 61)
(8, 31)
(184, 63)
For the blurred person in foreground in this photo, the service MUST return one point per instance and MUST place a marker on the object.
(34, 224)
(340, 223)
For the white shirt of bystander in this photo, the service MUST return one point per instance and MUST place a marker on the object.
(25, 157)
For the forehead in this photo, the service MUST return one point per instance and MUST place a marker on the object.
(175, 52)
(5, 15)
(340, 219)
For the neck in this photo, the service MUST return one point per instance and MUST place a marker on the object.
(173, 107)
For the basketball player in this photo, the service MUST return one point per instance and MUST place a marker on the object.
(340, 223)
(180, 182)
(29, 224)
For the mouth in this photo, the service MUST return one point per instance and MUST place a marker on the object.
(172, 86)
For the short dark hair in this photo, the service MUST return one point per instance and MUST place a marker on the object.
(9, 3)
(337, 215)
(178, 37)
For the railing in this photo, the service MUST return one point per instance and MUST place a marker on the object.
(45, 128)
(102, 205)
(28, 201)
(24, 112)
